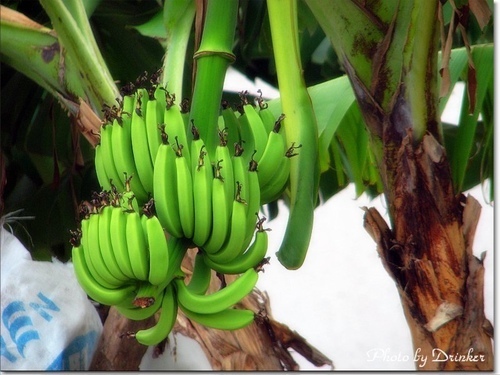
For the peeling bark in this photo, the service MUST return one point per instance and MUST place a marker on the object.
(429, 255)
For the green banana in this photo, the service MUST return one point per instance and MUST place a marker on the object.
(301, 127)
(93, 289)
(175, 126)
(253, 202)
(275, 187)
(251, 258)
(220, 300)
(233, 245)
(253, 131)
(107, 157)
(228, 319)
(117, 230)
(140, 148)
(106, 245)
(88, 259)
(95, 255)
(124, 158)
(165, 188)
(132, 312)
(184, 192)
(265, 114)
(231, 124)
(159, 254)
(102, 176)
(221, 212)
(225, 167)
(273, 153)
(200, 278)
(128, 104)
(152, 122)
(240, 172)
(177, 249)
(168, 314)
(137, 246)
(202, 189)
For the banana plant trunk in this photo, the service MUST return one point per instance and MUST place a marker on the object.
(391, 61)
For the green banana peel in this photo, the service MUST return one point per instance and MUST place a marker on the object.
(301, 128)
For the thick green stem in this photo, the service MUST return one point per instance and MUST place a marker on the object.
(213, 58)
(96, 77)
(300, 127)
(178, 18)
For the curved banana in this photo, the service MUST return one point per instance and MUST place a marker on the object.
(154, 335)
(220, 300)
(102, 176)
(128, 104)
(137, 246)
(273, 189)
(224, 167)
(175, 126)
(228, 319)
(107, 157)
(202, 189)
(273, 153)
(231, 124)
(132, 312)
(95, 254)
(265, 114)
(117, 230)
(251, 258)
(185, 193)
(153, 133)
(200, 278)
(87, 255)
(252, 128)
(221, 214)
(106, 245)
(177, 249)
(159, 253)
(124, 158)
(165, 189)
(253, 202)
(95, 290)
(233, 245)
(140, 148)
(240, 172)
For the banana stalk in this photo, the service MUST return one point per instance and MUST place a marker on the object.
(301, 128)
(212, 60)
(178, 18)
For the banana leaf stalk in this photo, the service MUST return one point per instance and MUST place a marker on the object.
(212, 60)
(79, 43)
(300, 127)
(178, 18)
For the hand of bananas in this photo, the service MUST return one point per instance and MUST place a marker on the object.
(121, 254)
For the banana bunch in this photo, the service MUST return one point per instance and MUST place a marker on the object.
(163, 191)
(122, 258)
(130, 136)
